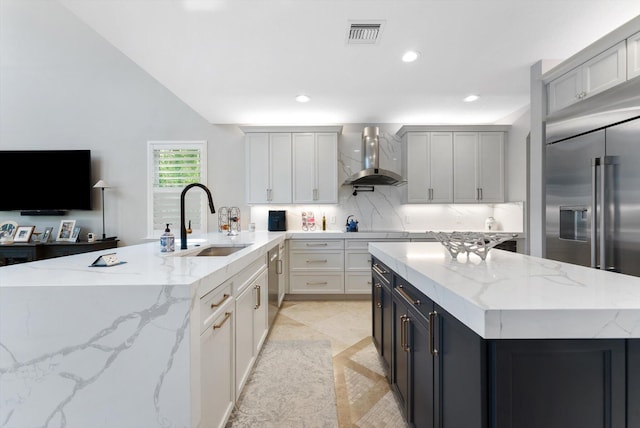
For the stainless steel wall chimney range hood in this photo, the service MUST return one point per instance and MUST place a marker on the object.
(371, 173)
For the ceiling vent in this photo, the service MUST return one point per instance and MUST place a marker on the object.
(364, 32)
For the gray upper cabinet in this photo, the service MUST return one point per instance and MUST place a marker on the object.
(429, 167)
(604, 71)
(478, 167)
(315, 168)
(291, 164)
(268, 168)
(454, 164)
(633, 56)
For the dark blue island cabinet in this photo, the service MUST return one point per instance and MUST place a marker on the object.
(445, 375)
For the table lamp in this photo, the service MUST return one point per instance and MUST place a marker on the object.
(101, 184)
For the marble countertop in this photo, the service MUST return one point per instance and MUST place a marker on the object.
(144, 264)
(515, 296)
(378, 234)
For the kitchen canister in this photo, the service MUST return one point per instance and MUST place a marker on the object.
(490, 223)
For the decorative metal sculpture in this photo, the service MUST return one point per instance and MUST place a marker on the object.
(471, 242)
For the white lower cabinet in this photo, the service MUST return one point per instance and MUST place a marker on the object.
(357, 270)
(335, 266)
(251, 325)
(233, 326)
(217, 391)
(316, 266)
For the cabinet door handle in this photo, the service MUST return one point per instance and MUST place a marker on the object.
(379, 293)
(433, 316)
(378, 269)
(407, 297)
(315, 194)
(481, 194)
(317, 283)
(402, 317)
(279, 267)
(317, 261)
(317, 244)
(257, 288)
(226, 317)
(404, 332)
(224, 297)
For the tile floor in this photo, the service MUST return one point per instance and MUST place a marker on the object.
(364, 398)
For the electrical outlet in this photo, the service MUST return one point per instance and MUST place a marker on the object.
(333, 219)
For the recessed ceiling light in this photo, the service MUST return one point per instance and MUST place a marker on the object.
(302, 98)
(201, 5)
(471, 98)
(410, 56)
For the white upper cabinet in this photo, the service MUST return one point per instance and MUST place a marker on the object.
(429, 167)
(268, 168)
(600, 73)
(315, 167)
(478, 165)
(633, 56)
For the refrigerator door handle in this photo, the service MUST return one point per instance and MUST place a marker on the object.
(595, 162)
(603, 214)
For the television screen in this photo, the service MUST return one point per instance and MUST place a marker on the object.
(45, 180)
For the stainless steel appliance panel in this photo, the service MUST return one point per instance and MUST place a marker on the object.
(570, 205)
(623, 203)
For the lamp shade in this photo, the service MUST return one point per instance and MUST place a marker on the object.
(101, 184)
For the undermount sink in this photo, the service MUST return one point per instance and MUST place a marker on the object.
(221, 250)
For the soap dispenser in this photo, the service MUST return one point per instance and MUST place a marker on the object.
(167, 241)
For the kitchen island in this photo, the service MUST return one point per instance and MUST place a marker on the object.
(114, 346)
(512, 341)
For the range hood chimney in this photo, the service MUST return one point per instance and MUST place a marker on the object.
(371, 173)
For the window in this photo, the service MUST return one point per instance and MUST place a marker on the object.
(171, 166)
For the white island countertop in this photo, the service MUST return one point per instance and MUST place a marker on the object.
(514, 296)
(144, 264)
(111, 346)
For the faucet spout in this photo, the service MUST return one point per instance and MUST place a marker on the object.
(183, 229)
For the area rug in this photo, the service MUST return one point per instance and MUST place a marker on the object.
(292, 385)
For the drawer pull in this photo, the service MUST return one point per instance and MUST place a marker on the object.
(406, 296)
(379, 270)
(317, 283)
(317, 261)
(226, 317)
(317, 244)
(224, 297)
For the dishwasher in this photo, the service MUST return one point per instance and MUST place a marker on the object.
(274, 270)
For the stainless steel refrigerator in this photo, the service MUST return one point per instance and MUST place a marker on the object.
(593, 190)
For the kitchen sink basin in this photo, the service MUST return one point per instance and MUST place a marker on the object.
(221, 250)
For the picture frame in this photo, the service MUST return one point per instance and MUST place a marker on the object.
(75, 234)
(23, 233)
(65, 230)
(46, 235)
(8, 228)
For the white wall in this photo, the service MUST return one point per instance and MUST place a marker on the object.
(62, 86)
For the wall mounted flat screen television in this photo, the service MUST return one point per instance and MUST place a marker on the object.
(45, 182)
